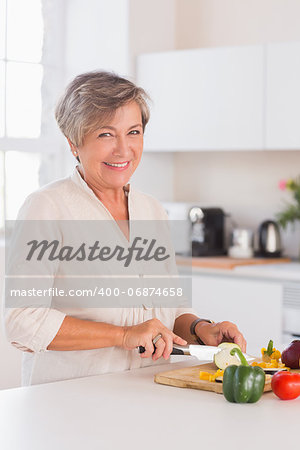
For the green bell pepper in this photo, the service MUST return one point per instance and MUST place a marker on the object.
(244, 383)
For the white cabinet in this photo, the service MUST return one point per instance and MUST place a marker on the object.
(254, 306)
(283, 96)
(204, 99)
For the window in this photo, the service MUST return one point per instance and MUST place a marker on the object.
(21, 76)
(19, 166)
(21, 44)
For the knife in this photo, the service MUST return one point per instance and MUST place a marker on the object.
(202, 352)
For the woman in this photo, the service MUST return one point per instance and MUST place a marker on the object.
(103, 118)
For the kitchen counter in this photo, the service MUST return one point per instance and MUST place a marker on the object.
(282, 270)
(129, 411)
(226, 262)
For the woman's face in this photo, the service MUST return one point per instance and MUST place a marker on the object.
(110, 155)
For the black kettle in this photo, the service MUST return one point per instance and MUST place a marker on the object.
(269, 240)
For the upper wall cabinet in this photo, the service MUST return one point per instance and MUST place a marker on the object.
(204, 99)
(283, 96)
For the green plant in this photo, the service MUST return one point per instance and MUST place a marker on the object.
(291, 213)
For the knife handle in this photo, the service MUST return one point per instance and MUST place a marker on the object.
(175, 350)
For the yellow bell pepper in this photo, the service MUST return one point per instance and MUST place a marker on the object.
(271, 353)
(274, 364)
(208, 376)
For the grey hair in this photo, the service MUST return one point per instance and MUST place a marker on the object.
(93, 97)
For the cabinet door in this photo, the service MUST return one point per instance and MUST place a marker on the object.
(204, 99)
(283, 96)
(254, 306)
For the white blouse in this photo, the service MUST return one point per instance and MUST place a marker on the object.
(32, 329)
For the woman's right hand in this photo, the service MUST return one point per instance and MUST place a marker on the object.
(144, 333)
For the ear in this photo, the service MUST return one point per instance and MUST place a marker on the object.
(73, 148)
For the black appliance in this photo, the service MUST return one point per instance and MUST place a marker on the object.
(269, 240)
(207, 231)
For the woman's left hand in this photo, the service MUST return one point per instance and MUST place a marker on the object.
(215, 333)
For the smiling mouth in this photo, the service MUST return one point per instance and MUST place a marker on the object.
(121, 165)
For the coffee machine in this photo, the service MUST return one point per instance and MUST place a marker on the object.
(207, 231)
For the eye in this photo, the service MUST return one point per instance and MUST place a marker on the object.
(104, 135)
(134, 132)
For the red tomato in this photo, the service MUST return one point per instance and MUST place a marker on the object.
(286, 385)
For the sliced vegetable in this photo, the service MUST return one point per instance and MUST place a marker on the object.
(291, 355)
(286, 385)
(273, 364)
(224, 359)
(276, 354)
(230, 345)
(243, 383)
(210, 376)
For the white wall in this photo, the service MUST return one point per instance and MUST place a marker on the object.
(152, 27)
(96, 36)
(155, 176)
(214, 23)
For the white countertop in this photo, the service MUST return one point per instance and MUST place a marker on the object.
(128, 410)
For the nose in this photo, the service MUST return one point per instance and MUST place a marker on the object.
(122, 147)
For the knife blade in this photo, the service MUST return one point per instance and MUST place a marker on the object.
(202, 352)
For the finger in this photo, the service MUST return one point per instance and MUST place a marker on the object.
(241, 341)
(237, 337)
(149, 349)
(160, 346)
(178, 340)
(232, 334)
(168, 345)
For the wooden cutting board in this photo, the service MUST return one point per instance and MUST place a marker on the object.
(188, 377)
(224, 262)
